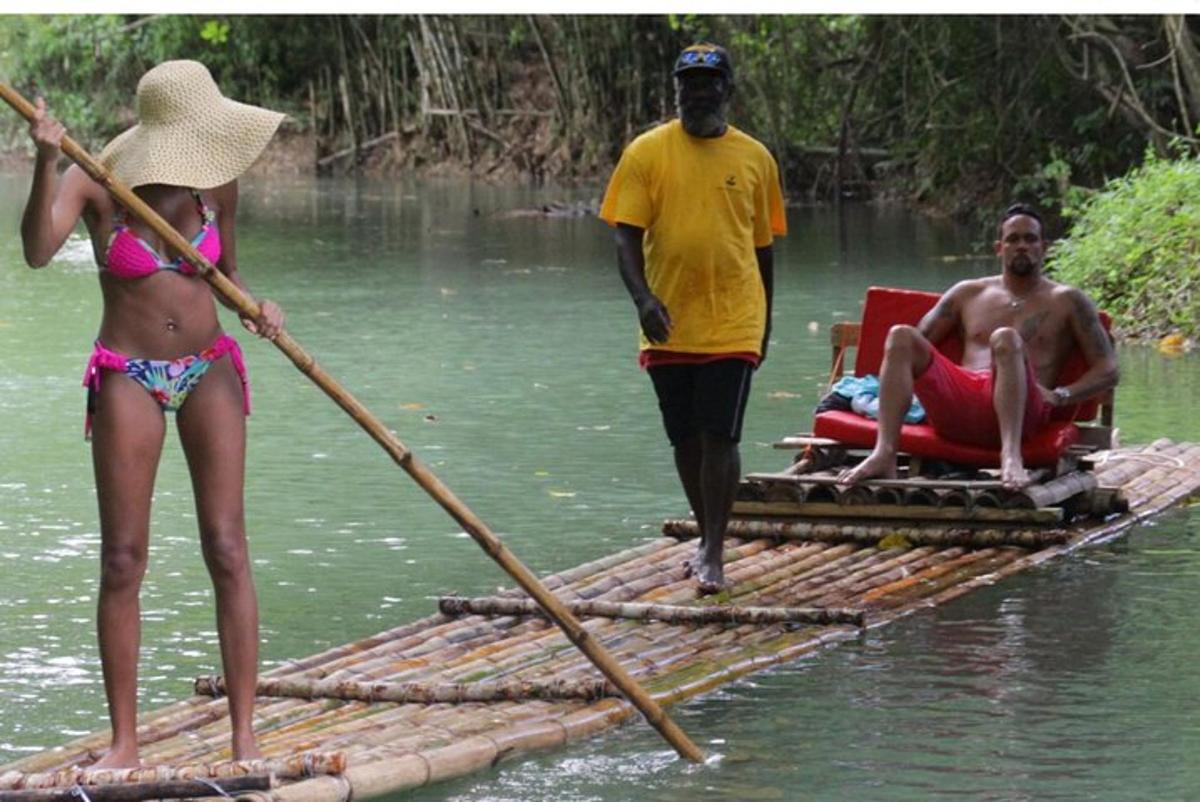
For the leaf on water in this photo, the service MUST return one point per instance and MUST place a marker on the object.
(895, 541)
(1172, 344)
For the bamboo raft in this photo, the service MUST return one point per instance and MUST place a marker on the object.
(484, 680)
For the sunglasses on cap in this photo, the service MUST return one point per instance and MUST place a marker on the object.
(710, 58)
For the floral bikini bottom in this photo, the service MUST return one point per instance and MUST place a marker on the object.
(169, 381)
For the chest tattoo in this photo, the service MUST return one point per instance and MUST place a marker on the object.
(1030, 325)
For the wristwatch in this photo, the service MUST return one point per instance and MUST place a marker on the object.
(1062, 395)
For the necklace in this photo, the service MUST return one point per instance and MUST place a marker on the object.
(1017, 301)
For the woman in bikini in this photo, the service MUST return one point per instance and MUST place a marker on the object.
(160, 349)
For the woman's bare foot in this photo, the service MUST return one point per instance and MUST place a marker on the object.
(117, 758)
(878, 465)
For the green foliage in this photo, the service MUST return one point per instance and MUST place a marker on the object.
(960, 113)
(1135, 248)
(215, 32)
(87, 67)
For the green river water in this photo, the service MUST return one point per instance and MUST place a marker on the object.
(502, 351)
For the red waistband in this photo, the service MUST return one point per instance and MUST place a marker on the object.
(653, 357)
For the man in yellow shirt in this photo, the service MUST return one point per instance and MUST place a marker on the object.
(696, 204)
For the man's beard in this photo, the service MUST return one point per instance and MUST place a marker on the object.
(701, 118)
(1022, 266)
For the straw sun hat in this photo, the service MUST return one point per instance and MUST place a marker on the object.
(188, 134)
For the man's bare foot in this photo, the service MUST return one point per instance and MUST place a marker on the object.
(876, 466)
(1013, 475)
(689, 565)
(246, 748)
(117, 758)
(710, 576)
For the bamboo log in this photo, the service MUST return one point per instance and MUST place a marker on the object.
(858, 495)
(820, 494)
(920, 497)
(988, 501)
(710, 614)
(889, 495)
(1058, 490)
(136, 792)
(307, 764)
(1026, 538)
(840, 574)
(954, 497)
(419, 692)
(399, 452)
(903, 484)
(978, 512)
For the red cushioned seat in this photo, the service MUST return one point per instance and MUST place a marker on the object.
(920, 440)
(886, 307)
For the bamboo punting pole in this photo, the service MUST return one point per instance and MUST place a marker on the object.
(1026, 538)
(399, 452)
(419, 692)
(673, 614)
(136, 792)
(308, 764)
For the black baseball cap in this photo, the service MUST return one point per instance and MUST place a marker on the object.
(704, 56)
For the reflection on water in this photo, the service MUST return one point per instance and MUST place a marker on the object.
(501, 351)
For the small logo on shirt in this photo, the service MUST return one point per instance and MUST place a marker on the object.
(731, 180)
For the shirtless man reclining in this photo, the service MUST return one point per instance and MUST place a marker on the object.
(1017, 329)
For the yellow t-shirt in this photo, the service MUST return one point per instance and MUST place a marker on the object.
(705, 205)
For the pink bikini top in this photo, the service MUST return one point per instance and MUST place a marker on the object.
(130, 256)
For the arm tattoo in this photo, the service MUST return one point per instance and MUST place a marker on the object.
(1094, 339)
(940, 316)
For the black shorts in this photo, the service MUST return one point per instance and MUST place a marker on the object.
(703, 398)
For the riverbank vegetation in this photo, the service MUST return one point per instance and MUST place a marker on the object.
(1135, 248)
(951, 112)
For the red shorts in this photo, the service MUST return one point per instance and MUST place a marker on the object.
(958, 403)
